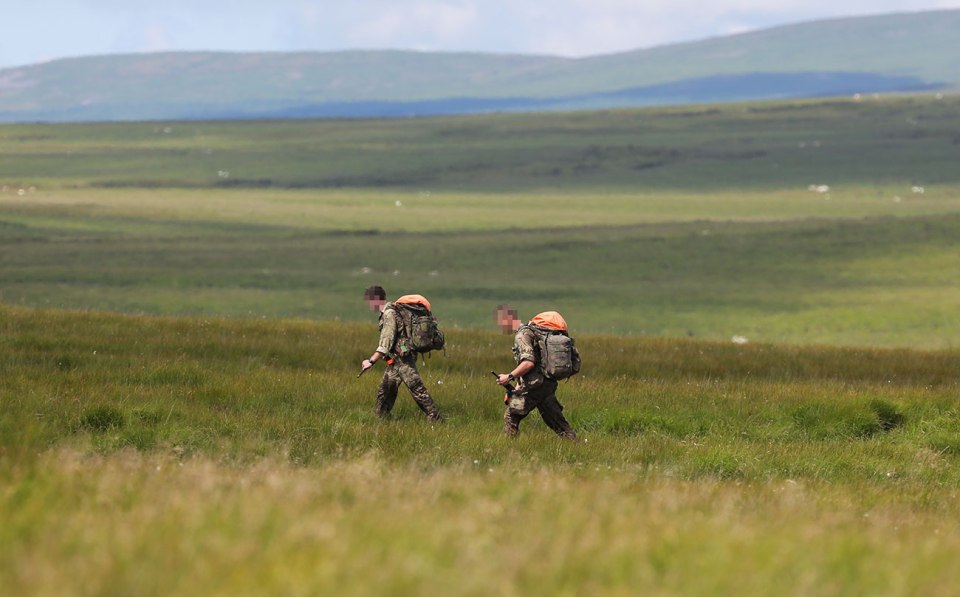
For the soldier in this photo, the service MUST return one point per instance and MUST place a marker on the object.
(534, 390)
(400, 368)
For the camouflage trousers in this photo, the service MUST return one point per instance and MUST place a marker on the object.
(544, 399)
(404, 370)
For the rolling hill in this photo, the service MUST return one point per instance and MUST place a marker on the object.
(905, 52)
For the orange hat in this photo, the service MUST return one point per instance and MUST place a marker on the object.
(550, 320)
(414, 299)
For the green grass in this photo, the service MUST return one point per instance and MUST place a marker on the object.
(210, 212)
(877, 281)
(216, 439)
(246, 454)
(693, 222)
(760, 146)
(122, 524)
(232, 389)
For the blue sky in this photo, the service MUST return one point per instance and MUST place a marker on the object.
(42, 30)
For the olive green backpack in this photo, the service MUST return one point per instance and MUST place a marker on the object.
(558, 354)
(421, 333)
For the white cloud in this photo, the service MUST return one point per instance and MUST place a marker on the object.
(154, 38)
(421, 24)
(308, 13)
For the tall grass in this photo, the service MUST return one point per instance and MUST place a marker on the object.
(153, 525)
(176, 455)
(239, 390)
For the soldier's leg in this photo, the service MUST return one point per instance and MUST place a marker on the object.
(514, 414)
(387, 391)
(407, 369)
(511, 422)
(552, 412)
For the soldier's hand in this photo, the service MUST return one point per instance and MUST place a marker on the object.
(504, 378)
(366, 364)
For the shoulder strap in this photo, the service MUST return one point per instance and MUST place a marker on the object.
(537, 341)
(413, 308)
(544, 331)
(404, 320)
(537, 332)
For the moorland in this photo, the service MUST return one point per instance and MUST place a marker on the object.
(181, 325)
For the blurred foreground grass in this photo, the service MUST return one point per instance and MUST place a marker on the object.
(152, 525)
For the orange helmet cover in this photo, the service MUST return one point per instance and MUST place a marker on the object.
(550, 320)
(414, 299)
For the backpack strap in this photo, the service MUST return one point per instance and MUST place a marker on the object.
(403, 333)
(404, 320)
(544, 330)
(537, 348)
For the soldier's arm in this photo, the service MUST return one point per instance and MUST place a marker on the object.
(388, 333)
(519, 371)
(528, 359)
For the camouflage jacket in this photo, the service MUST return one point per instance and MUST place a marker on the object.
(525, 349)
(390, 325)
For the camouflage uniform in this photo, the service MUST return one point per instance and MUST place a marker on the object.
(403, 369)
(535, 391)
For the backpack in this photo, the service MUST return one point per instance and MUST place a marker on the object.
(421, 333)
(559, 358)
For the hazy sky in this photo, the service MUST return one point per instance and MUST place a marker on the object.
(41, 30)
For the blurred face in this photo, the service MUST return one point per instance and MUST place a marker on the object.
(375, 297)
(507, 319)
(376, 304)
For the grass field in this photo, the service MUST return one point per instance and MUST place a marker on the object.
(695, 222)
(790, 266)
(765, 146)
(245, 456)
(179, 348)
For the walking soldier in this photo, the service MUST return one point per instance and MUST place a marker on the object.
(544, 354)
(407, 328)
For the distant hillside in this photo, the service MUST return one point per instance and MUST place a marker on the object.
(890, 53)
